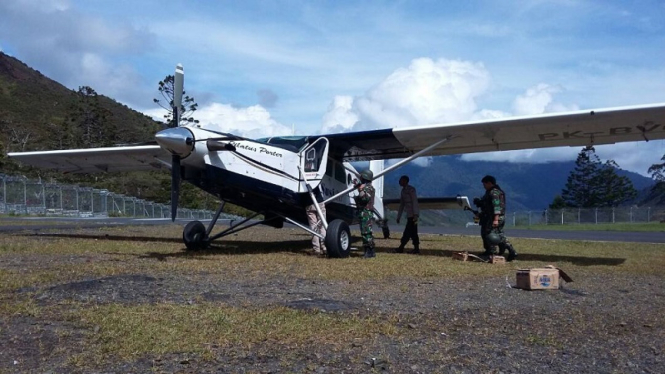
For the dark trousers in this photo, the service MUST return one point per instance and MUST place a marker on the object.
(410, 233)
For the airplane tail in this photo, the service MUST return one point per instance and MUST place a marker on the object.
(376, 167)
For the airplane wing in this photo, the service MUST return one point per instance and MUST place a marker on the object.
(434, 203)
(95, 160)
(577, 129)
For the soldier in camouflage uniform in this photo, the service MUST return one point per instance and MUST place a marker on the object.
(493, 218)
(365, 205)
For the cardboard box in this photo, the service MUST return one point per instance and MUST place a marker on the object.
(538, 279)
(497, 260)
(461, 256)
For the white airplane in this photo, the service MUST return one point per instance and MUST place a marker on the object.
(275, 177)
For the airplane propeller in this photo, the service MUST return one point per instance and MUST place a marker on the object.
(178, 86)
(175, 185)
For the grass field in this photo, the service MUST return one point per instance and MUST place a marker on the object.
(174, 317)
(636, 227)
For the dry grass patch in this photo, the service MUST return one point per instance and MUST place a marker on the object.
(156, 250)
(133, 331)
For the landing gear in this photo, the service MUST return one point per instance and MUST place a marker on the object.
(195, 237)
(338, 239)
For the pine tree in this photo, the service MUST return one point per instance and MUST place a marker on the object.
(188, 107)
(657, 172)
(558, 203)
(613, 189)
(593, 184)
(581, 188)
(89, 120)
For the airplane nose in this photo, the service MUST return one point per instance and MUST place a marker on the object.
(177, 140)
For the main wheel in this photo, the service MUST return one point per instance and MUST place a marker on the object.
(338, 239)
(194, 236)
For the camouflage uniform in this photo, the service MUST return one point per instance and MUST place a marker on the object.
(493, 203)
(365, 205)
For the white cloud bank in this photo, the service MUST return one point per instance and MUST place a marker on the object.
(426, 92)
(447, 91)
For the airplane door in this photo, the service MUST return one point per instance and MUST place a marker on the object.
(313, 163)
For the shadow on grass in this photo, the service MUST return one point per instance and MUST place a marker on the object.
(575, 260)
(238, 247)
(109, 237)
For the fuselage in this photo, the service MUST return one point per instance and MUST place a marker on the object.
(262, 175)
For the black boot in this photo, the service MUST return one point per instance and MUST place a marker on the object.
(416, 249)
(369, 251)
(399, 249)
(512, 254)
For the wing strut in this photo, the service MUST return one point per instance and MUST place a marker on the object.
(311, 195)
(393, 167)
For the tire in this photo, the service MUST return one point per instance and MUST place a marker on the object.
(194, 236)
(338, 239)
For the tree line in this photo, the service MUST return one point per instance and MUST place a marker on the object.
(596, 184)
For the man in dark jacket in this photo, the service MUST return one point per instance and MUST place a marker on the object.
(408, 204)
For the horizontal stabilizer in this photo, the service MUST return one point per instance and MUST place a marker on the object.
(433, 203)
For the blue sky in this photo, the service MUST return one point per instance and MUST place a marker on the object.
(263, 68)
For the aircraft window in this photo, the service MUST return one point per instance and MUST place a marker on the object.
(311, 163)
(313, 156)
(340, 172)
(290, 143)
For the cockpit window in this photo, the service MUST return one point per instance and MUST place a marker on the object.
(290, 143)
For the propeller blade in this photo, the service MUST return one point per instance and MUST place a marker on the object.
(175, 185)
(178, 84)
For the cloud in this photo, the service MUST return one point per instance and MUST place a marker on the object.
(75, 49)
(427, 91)
(340, 116)
(251, 122)
(447, 91)
(538, 100)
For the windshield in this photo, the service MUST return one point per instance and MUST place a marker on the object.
(291, 143)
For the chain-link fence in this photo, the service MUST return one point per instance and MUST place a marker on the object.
(586, 216)
(23, 196)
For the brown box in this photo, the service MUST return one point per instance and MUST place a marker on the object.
(538, 279)
(462, 256)
(497, 260)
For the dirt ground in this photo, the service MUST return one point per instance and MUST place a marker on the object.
(606, 323)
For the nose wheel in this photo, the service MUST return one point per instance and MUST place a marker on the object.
(195, 237)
